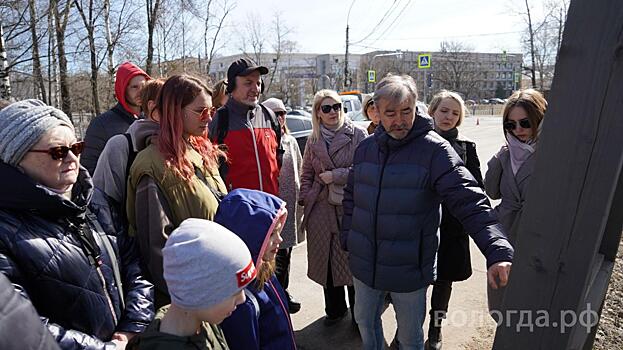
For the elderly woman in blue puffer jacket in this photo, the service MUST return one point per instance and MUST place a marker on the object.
(85, 283)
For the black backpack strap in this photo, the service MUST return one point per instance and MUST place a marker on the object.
(274, 123)
(111, 253)
(222, 126)
(131, 157)
(217, 194)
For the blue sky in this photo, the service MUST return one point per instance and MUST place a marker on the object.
(319, 25)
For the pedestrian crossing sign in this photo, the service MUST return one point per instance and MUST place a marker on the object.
(371, 76)
(423, 60)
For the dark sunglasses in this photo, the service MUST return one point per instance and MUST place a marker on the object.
(511, 124)
(327, 108)
(280, 114)
(61, 152)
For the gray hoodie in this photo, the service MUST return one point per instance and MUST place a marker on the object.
(110, 172)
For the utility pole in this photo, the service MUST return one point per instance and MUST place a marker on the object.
(346, 75)
(346, 78)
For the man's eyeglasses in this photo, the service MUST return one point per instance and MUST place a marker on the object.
(60, 152)
(511, 124)
(205, 113)
(327, 108)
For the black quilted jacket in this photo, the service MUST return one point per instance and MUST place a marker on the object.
(44, 256)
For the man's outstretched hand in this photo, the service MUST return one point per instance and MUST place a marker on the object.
(497, 274)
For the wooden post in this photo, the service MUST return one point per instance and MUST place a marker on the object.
(571, 223)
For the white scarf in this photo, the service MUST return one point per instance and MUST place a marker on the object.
(519, 151)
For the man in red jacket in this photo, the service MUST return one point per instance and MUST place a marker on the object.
(129, 81)
(249, 131)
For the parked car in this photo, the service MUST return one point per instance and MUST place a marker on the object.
(351, 103)
(483, 101)
(359, 119)
(497, 101)
(300, 127)
(300, 112)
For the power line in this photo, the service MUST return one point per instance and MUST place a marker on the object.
(394, 22)
(438, 37)
(389, 10)
(461, 36)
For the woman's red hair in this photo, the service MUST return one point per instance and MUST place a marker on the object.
(178, 92)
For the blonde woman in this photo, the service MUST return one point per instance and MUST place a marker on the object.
(453, 259)
(326, 162)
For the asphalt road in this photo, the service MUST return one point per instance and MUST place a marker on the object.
(468, 306)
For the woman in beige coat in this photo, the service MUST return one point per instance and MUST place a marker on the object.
(328, 157)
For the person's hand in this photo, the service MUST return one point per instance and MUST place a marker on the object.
(123, 336)
(119, 344)
(326, 177)
(498, 272)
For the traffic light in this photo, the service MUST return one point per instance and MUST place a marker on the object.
(429, 80)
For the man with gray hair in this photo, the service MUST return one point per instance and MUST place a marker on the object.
(392, 200)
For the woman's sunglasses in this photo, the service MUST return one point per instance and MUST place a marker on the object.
(205, 113)
(60, 152)
(511, 124)
(327, 108)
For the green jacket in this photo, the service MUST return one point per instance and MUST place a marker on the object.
(186, 199)
(210, 337)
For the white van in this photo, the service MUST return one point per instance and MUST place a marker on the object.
(351, 103)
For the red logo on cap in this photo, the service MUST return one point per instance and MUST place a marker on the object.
(246, 275)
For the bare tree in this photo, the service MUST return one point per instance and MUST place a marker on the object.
(226, 8)
(559, 11)
(253, 38)
(542, 39)
(60, 19)
(189, 12)
(53, 83)
(280, 31)
(531, 43)
(88, 19)
(153, 14)
(167, 28)
(119, 25)
(544, 52)
(36, 61)
(456, 68)
(5, 83)
(109, 49)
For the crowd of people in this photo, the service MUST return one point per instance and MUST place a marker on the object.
(171, 225)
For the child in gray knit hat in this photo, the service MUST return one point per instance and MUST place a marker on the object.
(206, 268)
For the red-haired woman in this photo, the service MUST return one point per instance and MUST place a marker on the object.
(176, 177)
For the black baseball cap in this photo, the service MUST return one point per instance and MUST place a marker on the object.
(243, 67)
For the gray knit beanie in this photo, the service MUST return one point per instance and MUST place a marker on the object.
(275, 104)
(23, 123)
(204, 264)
